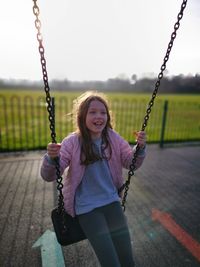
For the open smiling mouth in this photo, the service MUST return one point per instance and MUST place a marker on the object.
(98, 124)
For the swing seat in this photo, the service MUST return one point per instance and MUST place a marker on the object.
(67, 228)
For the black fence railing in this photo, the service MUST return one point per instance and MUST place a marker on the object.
(24, 121)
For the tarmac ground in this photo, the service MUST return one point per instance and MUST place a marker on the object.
(163, 212)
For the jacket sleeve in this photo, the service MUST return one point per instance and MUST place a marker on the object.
(48, 170)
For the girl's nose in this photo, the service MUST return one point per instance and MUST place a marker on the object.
(99, 115)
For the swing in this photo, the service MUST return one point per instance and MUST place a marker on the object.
(67, 229)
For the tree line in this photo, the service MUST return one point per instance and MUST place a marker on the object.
(174, 84)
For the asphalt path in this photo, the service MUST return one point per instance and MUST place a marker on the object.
(163, 213)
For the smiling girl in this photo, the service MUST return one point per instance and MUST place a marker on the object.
(95, 155)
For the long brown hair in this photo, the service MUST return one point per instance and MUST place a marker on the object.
(80, 109)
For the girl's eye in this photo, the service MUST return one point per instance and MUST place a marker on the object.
(94, 112)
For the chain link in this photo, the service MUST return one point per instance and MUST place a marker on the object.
(125, 187)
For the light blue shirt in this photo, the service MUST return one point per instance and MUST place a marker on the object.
(97, 188)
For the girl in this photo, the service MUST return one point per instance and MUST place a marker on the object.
(95, 155)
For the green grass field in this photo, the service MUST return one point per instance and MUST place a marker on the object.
(24, 122)
(38, 93)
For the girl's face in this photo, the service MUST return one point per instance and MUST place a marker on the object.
(96, 118)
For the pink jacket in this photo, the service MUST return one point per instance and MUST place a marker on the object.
(122, 154)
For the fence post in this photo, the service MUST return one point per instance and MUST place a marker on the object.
(164, 119)
(53, 111)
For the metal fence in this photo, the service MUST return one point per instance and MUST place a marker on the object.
(24, 121)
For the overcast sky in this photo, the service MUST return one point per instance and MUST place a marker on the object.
(98, 39)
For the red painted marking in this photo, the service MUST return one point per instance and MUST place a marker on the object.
(179, 233)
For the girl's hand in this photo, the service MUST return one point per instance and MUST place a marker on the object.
(53, 150)
(141, 138)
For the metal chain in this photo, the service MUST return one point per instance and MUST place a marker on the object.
(125, 187)
(50, 106)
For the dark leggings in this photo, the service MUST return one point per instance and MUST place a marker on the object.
(106, 229)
